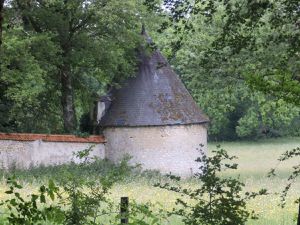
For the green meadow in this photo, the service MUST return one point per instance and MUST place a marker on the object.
(255, 160)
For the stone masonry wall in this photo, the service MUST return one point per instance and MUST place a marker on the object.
(26, 150)
(165, 148)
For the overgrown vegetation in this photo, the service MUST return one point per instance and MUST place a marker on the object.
(79, 197)
(217, 200)
(239, 61)
(138, 186)
(292, 178)
(244, 75)
(79, 194)
(27, 212)
(59, 57)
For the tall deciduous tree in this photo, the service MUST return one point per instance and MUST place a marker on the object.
(88, 45)
(217, 80)
(242, 55)
(242, 29)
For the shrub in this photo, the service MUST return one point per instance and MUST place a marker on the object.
(218, 200)
(26, 211)
(81, 198)
(295, 174)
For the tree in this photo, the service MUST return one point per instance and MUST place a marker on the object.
(73, 23)
(78, 49)
(244, 25)
(219, 78)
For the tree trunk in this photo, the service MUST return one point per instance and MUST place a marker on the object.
(1, 19)
(67, 100)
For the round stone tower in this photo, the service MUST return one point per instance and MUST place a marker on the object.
(155, 120)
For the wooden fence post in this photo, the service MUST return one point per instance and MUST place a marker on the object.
(124, 210)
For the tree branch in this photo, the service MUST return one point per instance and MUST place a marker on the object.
(1, 19)
(26, 18)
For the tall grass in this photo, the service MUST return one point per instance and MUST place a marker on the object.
(255, 160)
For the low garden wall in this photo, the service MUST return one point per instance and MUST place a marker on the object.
(26, 150)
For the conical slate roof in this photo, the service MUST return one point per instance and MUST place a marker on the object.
(156, 96)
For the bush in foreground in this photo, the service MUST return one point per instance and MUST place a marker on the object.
(218, 200)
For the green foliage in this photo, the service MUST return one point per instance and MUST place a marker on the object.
(146, 214)
(223, 76)
(79, 200)
(267, 31)
(92, 43)
(26, 86)
(84, 201)
(85, 197)
(92, 170)
(28, 210)
(238, 59)
(295, 174)
(218, 200)
(81, 197)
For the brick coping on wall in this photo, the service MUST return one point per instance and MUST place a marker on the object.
(52, 138)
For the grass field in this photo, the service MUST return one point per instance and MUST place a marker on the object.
(255, 160)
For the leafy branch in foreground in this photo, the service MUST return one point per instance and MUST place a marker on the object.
(27, 211)
(218, 199)
(78, 199)
(288, 155)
